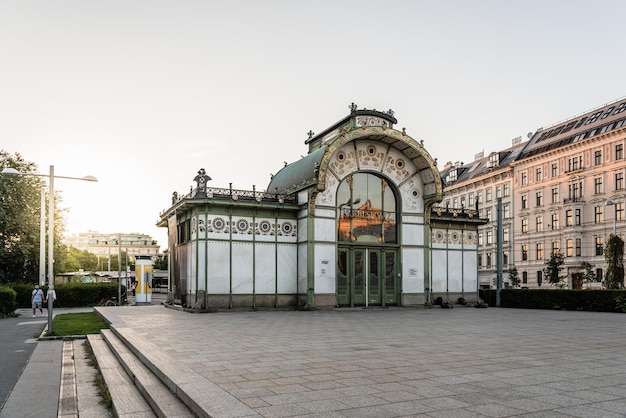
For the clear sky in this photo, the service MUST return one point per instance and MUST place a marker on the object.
(142, 94)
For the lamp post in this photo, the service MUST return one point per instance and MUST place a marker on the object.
(611, 203)
(51, 178)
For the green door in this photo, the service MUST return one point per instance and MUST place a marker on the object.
(366, 277)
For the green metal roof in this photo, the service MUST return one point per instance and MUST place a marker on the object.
(297, 174)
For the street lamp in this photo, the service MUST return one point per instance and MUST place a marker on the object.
(611, 203)
(51, 178)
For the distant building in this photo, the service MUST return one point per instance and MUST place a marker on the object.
(105, 245)
(562, 191)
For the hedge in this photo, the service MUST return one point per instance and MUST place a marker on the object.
(69, 295)
(8, 301)
(573, 300)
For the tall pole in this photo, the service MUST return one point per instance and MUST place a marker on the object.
(119, 270)
(499, 253)
(50, 248)
(42, 239)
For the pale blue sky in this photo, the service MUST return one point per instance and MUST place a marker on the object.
(141, 94)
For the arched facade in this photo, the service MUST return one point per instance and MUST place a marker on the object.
(347, 225)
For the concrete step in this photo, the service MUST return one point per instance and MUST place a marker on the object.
(161, 399)
(127, 400)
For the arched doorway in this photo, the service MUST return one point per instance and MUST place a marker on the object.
(367, 241)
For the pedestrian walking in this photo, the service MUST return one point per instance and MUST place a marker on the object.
(37, 299)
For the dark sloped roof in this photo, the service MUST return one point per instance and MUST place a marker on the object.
(296, 174)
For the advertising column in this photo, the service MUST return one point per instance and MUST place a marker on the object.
(143, 273)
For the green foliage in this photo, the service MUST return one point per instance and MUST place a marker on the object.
(566, 299)
(20, 214)
(614, 254)
(552, 271)
(588, 272)
(79, 259)
(514, 277)
(620, 303)
(70, 294)
(8, 302)
(161, 262)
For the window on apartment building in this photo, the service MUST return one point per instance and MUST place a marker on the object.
(488, 263)
(575, 163)
(498, 192)
(538, 174)
(524, 252)
(539, 277)
(555, 195)
(555, 170)
(539, 247)
(619, 211)
(539, 223)
(555, 221)
(505, 234)
(489, 234)
(569, 217)
(555, 247)
(575, 191)
(480, 238)
(455, 203)
(506, 190)
(505, 258)
(619, 181)
(598, 216)
(479, 197)
(506, 211)
(471, 199)
(451, 177)
(569, 247)
(524, 277)
(480, 260)
(619, 151)
(488, 213)
(488, 194)
(579, 244)
(599, 275)
(577, 217)
(463, 201)
(597, 157)
(524, 178)
(447, 203)
(599, 245)
(524, 226)
(539, 198)
(524, 201)
(597, 185)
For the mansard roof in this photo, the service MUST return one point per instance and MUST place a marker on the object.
(298, 174)
(597, 121)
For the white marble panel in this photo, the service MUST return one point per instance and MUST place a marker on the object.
(302, 267)
(325, 261)
(201, 265)
(412, 192)
(303, 197)
(325, 229)
(303, 227)
(398, 167)
(470, 267)
(412, 234)
(325, 213)
(265, 268)
(191, 265)
(371, 155)
(439, 270)
(219, 267)
(455, 271)
(242, 268)
(287, 268)
(413, 219)
(412, 270)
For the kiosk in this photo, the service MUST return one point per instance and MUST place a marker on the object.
(143, 273)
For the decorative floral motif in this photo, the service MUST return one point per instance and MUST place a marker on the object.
(219, 224)
(265, 227)
(242, 226)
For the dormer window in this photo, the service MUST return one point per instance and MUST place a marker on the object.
(452, 176)
(494, 159)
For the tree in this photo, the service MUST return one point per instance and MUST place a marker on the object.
(614, 254)
(514, 277)
(588, 273)
(552, 271)
(76, 260)
(161, 262)
(20, 214)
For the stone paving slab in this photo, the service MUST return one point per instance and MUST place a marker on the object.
(396, 362)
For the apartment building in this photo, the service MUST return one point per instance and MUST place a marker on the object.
(564, 193)
(104, 244)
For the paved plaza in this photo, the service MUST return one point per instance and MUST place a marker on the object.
(461, 362)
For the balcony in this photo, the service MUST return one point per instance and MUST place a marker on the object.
(572, 200)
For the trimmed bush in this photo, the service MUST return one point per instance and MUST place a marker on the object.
(8, 301)
(572, 300)
(69, 295)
